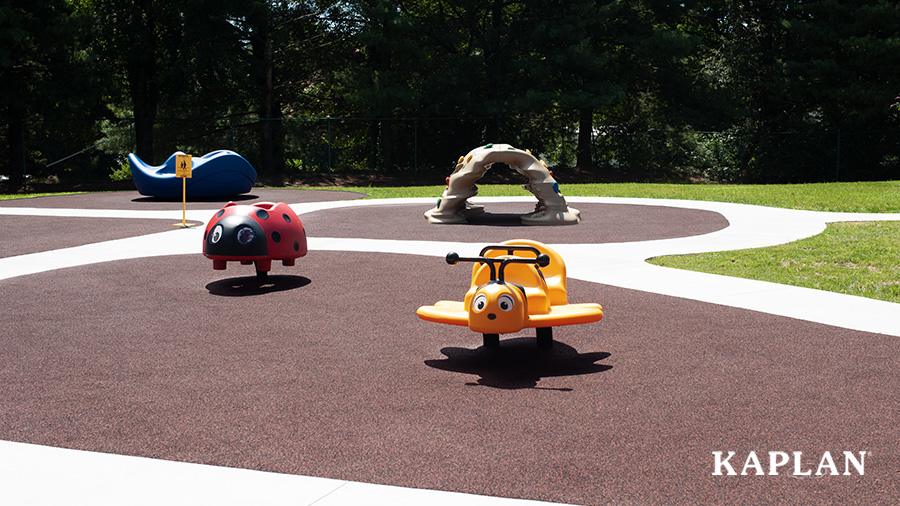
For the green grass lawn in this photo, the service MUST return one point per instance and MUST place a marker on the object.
(10, 196)
(854, 258)
(864, 197)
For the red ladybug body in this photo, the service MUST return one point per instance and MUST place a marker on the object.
(254, 234)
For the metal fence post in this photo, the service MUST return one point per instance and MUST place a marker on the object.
(328, 123)
(24, 158)
(415, 146)
(837, 170)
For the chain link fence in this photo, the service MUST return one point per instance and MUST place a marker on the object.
(75, 151)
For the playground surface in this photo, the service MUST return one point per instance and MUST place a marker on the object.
(131, 372)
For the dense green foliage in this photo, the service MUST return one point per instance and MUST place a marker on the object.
(798, 91)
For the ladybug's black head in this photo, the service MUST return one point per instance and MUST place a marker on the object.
(236, 235)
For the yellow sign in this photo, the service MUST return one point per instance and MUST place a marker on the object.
(183, 166)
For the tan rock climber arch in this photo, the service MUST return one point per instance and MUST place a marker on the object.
(454, 207)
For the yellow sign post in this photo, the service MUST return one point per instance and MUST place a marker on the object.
(183, 165)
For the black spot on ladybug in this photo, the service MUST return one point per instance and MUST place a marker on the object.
(220, 213)
(286, 218)
(296, 246)
(276, 236)
(263, 214)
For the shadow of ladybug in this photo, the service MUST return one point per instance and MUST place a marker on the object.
(254, 234)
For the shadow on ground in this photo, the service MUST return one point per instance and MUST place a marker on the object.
(215, 199)
(249, 285)
(518, 363)
(496, 219)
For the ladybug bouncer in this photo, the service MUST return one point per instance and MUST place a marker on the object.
(254, 234)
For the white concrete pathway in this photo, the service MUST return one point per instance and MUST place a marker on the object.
(35, 475)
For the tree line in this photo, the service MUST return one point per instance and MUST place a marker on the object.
(547, 69)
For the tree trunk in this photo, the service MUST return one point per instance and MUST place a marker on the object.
(387, 145)
(15, 136)
(268, 112)
(492, 131)
(494, 72)
(144, 91)
(144, 118)
(381, 130)
(585, 137)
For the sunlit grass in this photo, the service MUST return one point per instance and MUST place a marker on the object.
(856, 258)
(868, 197)
(10, 196)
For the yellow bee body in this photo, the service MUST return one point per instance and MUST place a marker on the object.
(509, 292)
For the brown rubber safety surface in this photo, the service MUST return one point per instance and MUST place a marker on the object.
(326, 371)
(32, 234)
(135, 201)
(500, 221)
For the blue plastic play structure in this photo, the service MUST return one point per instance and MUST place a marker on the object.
(218, 173)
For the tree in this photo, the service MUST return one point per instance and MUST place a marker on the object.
(845, 61)
(806, 69)
(605, 59)
(43, 72)
(288, 54)
(379, 82)
(171, 56)
(133, 40)
(576, 62)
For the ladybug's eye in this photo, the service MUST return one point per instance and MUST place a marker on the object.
(506, 302)
(216, 234)
(245, 235)
(479, 303)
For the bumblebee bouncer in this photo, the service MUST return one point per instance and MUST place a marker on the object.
(515, 285)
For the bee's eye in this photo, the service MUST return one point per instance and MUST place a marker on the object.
(506, 302)
(479, 303)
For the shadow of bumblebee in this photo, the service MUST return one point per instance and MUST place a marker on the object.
(518, 363)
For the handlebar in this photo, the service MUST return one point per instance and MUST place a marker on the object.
(509, 248)
(541, 260)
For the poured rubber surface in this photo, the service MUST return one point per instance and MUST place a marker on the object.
(326, 371)
(601, 223)
(136, 201)
(32, 234)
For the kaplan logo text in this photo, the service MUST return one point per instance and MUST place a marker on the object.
(784, 463)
